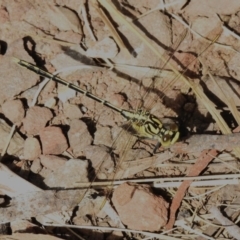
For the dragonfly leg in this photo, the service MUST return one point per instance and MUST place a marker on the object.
(156, 147)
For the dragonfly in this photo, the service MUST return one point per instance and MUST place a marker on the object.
(142, 123)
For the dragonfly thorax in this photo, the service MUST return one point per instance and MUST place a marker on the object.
(146, 125)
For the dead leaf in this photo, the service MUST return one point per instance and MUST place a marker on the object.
(106, 48)
(64, 19)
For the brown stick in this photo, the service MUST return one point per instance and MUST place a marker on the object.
(198, 143)
(204, 159)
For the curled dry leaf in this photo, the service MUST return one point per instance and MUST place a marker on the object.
(106, 48)
(65, 93)
(64, 19)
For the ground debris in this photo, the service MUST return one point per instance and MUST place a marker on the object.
(202, 162)
(48, 35)
(32, 204)
(26, 227)
(232, 228)
(31, 236)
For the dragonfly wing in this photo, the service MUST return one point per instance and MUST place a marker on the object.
(130, 129)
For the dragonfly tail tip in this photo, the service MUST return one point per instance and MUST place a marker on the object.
(16, 60)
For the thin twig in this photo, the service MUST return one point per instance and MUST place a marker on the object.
(230, 226)
(160, 182)
(156, 235)
(182, 223)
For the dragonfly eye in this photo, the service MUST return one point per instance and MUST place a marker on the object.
(165, 138)
(169, 138)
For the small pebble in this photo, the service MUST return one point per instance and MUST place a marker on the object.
(32, 148)
(36, 119)
(13, 110)
(53, 140)
(52, 162)
(139, 208)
